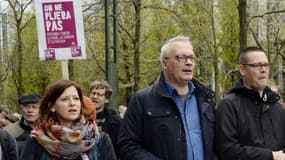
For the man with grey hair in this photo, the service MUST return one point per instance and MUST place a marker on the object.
(21, 130)
(173, 118)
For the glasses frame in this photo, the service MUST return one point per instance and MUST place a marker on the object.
(258, 65)
(183, 58)
(98, 94)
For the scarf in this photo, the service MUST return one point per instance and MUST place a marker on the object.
(66, 143)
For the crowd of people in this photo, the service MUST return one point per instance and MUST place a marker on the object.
(175, 118)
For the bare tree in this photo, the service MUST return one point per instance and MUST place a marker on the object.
(18, 21)
(136, 43)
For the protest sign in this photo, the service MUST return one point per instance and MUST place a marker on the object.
(60, 29)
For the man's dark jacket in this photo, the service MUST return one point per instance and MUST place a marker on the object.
(20, 130)
(112, 126)
(8, 146)
(249, 127)
(152, 128)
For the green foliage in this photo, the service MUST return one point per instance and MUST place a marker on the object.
(158, 24)
(213, 28)
(36, 74)
(229, 35)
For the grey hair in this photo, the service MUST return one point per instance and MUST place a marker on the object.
(166, 46)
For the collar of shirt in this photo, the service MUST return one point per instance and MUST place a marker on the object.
(173, 92)
(189, 114)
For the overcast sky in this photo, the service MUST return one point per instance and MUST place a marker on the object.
(3, 5)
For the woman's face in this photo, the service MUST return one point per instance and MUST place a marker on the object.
(67, 107)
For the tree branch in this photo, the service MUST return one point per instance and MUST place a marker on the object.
(266, 13)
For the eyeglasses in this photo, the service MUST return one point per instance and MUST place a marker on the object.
(184, 58)
(258, 65)
(98, 94)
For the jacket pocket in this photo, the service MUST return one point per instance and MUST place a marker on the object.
(159, 123)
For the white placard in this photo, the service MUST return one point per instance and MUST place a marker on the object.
(60, 29)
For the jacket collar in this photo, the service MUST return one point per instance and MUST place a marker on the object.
(25, 125)
(199, 89)
(268, 95)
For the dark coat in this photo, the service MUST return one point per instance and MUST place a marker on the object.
(249, 127)
(20, 130)
(152, 128)
(102, 151)
(8, 146)
(112, 126)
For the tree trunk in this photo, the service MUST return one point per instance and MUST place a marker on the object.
(20, 88)
(136, 42)
(242, 24)
(216, 57)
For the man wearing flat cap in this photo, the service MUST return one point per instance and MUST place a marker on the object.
(21, 130)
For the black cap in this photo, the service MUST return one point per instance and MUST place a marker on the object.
(31, 98)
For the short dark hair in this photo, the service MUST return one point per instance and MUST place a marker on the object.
(243, 54)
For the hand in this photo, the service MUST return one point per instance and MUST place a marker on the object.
(278, 155)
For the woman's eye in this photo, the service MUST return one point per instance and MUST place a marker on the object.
(64, 99)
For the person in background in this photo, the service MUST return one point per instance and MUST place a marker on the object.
(273, 86)
(3, 113)
(8, 146)
(105, 143)
(9, 119)
(122, 110)
(4, 122)
(173, 119)
(250, 123)
(89, 111)
(21, 130)
(60, 133)
(13, 117)
(108, 119)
